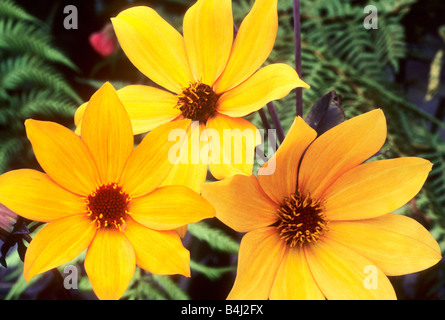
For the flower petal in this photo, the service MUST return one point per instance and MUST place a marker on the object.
(278, 176)
(189, 157)
(33, 195)
(340, 149)
(63, 156)
(253, 44)
(233, 146)
(260, 255)
(57, 243)
(375, 188)
(170, 207)
(294, 280)
(159, 252)
(240, 203)
(154, 47)
(147, 107)
(342, 273)
(149, 163)
(110, 263)
(208, 36)
(396, 244)
(106, 130)
(272, 82)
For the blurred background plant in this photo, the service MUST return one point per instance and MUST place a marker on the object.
(46, 71)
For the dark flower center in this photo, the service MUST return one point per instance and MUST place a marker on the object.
(197, 102)
(302, 220)
(107, 206)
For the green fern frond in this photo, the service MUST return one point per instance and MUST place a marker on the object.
(18, 38)
(216, 238)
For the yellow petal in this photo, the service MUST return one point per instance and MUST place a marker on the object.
(253, 44)
(170, 207)
(396, 244)
(241, 203)
(106, 130)
(375, 188)
(278, 176)
(208, 36)
(272, 82)
(147, 107)
(190, 158)
(260, 255)
(57, 243)
(154, 47)
(110, 263)
(159, 252)
(342, 273)
(294, 280)
(63, 156)
(149, 163)
(233, 146)
(33, 195)
(340, 149)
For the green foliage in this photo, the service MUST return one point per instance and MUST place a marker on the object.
(32, 84)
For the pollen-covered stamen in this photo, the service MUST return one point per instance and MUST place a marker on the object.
(107, 206)
(302, 220)
(197, 102)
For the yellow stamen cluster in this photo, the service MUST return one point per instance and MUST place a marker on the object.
(107, 206)
(302, 220)
(197, 102)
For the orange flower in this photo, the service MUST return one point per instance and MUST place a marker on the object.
(102, 195)
(211, 78)
(320, 226)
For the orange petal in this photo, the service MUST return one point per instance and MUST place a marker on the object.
(397, 244)
(147, 107)
(340, 149)
(278, 176)
(208, 36)
(342, 273)
(294, 280)
(272, 82)
(170, 207)
(190, 158)
(375, 188)
(154, 47)
(63, 156)
(158, 252)
(149, 163)
(260, 255)
(110, 263)
(241, 203)
(253, 44)
(106, 130)
(33, 195)
(57, 243)
(233, 146)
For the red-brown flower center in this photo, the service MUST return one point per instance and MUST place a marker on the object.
(302, 220)
(197, 102)
(107, 206)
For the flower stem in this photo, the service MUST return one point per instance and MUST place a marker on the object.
(276, 121)
(297, 39)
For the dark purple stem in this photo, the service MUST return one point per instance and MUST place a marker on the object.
(297, 37)
(276, 121)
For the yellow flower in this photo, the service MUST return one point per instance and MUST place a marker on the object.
(101, 194)
(208, 76)
(320, 226)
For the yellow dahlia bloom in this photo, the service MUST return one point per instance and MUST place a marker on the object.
(207, 75)
(321, 225)
(101, 194)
